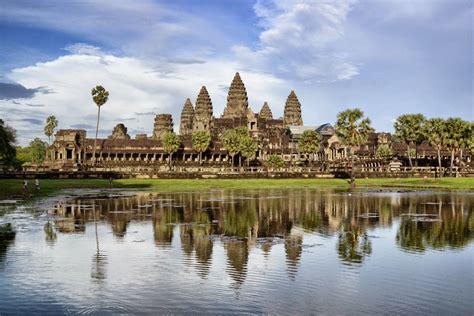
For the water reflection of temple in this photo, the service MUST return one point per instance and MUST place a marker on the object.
(255, 218)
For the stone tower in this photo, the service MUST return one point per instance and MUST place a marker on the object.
(163, 124)
(292, 113)
(203, 118)
(265, 112)
(119, 132)
(187, 115)
(237, 101)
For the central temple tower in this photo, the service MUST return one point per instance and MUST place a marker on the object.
(237, 101)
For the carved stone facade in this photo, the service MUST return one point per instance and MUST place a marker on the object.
(203, 116)
(292, 114)
(163, 124)
(266, 112)
(119, 132)
(187, 117)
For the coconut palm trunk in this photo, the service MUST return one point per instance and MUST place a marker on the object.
(96, 134)
(452, 163)
(439, 161)
(409, 156)
(352, 168)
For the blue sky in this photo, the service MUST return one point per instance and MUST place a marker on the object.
(387, 57)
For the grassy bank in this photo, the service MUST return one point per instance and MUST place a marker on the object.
(13, 187)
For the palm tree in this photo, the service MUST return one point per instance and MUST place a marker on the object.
(201, 142)
(353, 130)
(100, 97)
(51, 124)
(435, 132)
(171, 143)
(409, 129)
(231, 141)
(309, 142)
(248, 148)
(455, 134)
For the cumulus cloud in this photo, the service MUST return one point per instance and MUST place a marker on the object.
(137, 91)
(300, 39)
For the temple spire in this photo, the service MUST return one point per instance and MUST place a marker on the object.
(266, 112)
(187, 115)
(292, 113)
(237, 101)
(203, 115)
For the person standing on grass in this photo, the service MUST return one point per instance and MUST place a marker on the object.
(25, 187)
(37, 184)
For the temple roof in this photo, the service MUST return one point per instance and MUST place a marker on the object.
(203, 104)
(237, 101)
(266, 112)
(292, 113)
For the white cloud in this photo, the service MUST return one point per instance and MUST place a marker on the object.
(300, 39)
(135, 87)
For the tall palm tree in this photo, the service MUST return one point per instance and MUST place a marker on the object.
(100, 97)
(309, 143)
(435, 132)
(51, 124)
(455, 137)
(353, 130)
(171, 143)
(409, 129)
(201, 141)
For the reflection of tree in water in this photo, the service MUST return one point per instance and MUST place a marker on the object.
(163, 225)
(7, 237)
(187, 239)
(240, 223)
(353, 245)
(49, 233)
(99, 260)
(293, 250)
(452, 229)
(203, 246)
(237, 258)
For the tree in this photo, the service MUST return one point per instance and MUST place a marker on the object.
(455, 137)
(37, 149)
(248, 148)
(275, 161)
(51, 124)
(353, 130)
(100, 97)
(435, 133)
(309, 142)
(201, 142)
(384, 151)
(171, 144)
(409, 129)
(7, 141)
(231, 142)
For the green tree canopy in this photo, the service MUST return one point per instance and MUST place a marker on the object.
(409, 129)
(7, 144)
(231, 141)
(37, 149)
(201, 142)
(435, 132)
(275, 161)
(456, 131)
(384, 151)
(353, 129)
(309, 142)
(171, 143)
(248, 148)
(51, 124)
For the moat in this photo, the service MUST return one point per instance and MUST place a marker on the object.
(279, 251)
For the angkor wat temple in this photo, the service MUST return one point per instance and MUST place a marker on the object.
(144, 154)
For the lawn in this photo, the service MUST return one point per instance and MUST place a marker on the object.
(13, 187)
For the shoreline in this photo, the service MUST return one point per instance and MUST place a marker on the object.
(12, 188)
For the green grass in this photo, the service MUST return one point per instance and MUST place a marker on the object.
(13, 187)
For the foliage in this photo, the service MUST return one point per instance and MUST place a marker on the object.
(7, 141)
(384, 151)
(171, 142)
(456, 131)
(231, 141)
(309, 142)
(37, 149)
(409, 129)
(275, 161)
(99, 95)
(435, 132)
(51, 124)
(201, 142)
(353, 130)
(248, 147)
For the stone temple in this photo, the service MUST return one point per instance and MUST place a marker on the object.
(72, 150)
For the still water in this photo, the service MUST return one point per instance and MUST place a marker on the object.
(302, 251)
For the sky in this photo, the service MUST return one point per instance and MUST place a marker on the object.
(386, 57)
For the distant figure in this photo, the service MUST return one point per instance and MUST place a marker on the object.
(110, 182)
(25, 187)
(37, 184)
